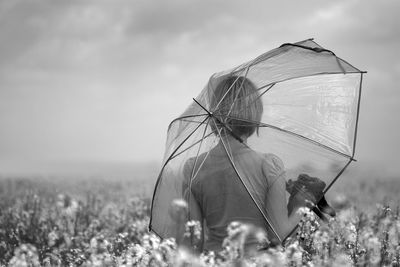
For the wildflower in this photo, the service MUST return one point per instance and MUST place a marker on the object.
(321, 239)
(52, 238)
(185, 258)
(25, 255)
(243, 240)
(294, 253)
(150, 241)
(99, 244)
(72, 209)
(396, 259)
(272, 257)
(193, 229)
(178, 210)
(138, 252)
(60, 201)
(351, 233)
(167, 249)
(208, 258)
(346, 215)
(342, 260)
(193, 233)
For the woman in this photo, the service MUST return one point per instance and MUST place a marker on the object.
(234, 182)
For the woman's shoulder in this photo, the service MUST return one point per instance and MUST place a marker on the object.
(272, 165)
(273, 159)
(189, 163)
(269, 159)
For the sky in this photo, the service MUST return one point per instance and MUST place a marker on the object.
(99, 81)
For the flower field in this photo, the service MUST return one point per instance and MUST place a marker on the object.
(55, 222)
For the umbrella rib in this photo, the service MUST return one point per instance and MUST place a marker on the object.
(192, 145)
(187, 116)
(237, 94)
(262, 58)
(201, 164)
(257, 60)
(311, 75)
(183, 119)
(227, 91)
(187, 137)
(219, 121)
(357, 116)
(163, 167)
(205, 157)
(340, 64)
(318, 50)
(269, 87)
(195, 162)
(337, 176)
(260, 124)
(361, 71)
(240, 178)
(186, 120)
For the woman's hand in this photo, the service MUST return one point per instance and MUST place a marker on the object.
(301, 198)
(305, 192)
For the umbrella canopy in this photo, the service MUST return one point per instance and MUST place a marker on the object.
(301, 115)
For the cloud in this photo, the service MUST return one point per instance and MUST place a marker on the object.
(102, 79)
(360, 23)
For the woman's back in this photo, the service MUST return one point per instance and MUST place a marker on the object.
(221, 193)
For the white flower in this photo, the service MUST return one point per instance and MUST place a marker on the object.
(178, 210)
(193, 228)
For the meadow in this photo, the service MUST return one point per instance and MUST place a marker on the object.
(55, 221)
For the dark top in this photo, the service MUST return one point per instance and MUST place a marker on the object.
(221, 194)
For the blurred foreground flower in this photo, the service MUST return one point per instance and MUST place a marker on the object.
(25, 255)
(193, 234)
(178, 210)
(243, 240)
(185, 258)
(340, 201)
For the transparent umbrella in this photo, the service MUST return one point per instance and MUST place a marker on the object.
(308, 103)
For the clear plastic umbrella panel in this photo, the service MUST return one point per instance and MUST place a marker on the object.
(301, 115)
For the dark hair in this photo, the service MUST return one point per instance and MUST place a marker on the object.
(236, 103)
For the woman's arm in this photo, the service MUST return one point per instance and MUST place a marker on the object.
(276, 200)
(276, 206)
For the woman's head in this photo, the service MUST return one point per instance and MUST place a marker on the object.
(236, 103)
